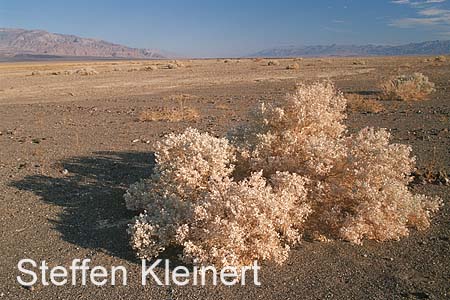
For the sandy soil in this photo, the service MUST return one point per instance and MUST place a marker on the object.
(71, 144)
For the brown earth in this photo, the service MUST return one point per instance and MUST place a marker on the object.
(70, 145)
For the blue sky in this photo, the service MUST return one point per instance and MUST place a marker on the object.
(232, 27)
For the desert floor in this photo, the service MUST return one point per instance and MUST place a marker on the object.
(70, 145)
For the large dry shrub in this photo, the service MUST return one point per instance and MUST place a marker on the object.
(193, 201)
(293, 169)
(407, 87)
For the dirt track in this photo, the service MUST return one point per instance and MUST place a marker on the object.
(88, 125)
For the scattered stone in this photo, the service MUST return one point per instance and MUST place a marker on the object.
(30, 288)
(444, 238)
(65, 172)
(135, 140)
(420, 295)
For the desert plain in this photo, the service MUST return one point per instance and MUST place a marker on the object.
(75, 135)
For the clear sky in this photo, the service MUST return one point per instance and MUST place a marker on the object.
(234, 27)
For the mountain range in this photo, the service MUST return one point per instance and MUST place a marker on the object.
(23, 44)
(424, 48)
(39, 44)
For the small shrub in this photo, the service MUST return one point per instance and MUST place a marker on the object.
(273, 63)
(293, 169)
(180, 97)
(179, 64)
(169, 115)
(150, 68)
(86, 71)
(357, 103)
(440, 58)
(172, 66)
(222, 106)
(359, 62)
(294, 66)
(407, 87)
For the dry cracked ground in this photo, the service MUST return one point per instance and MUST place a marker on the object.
(74, 135)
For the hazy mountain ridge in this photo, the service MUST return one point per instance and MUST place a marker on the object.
(424, 48)
(22, 42)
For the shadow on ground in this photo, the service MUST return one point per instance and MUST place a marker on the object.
(368, 93)
(91, 195)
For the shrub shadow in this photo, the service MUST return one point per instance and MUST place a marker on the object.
(367, 93)
(91, 195)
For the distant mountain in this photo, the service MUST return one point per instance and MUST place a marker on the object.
(425, 48)
(40, 44)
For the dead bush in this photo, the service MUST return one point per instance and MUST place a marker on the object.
(292, 169)
(86, 71)
(179, 64)
(169, 114)
(357, 103)
(180, 97)
(440, 58)
(359, 62)
(294, 66)
(172, 66)
(273, 63)
(407, 87)
(150, 68)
